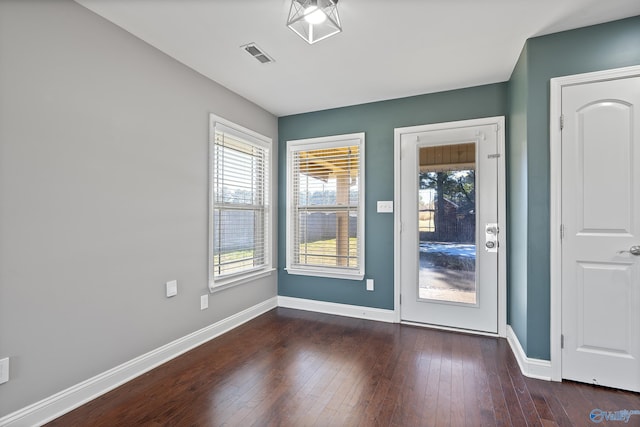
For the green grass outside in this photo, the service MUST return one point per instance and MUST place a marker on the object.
(321, 253)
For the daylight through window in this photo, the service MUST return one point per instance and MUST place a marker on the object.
(240, 203)
(326, 207)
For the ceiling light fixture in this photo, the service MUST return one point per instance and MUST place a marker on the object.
(314, 20)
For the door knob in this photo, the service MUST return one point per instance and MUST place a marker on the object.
(633, 250)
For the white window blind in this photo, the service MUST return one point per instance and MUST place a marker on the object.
(240, 203)
(326, 207)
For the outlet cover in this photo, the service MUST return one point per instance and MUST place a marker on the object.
(385, 206)
(204, 302)
(172, 288)
(4, 370)
(369, 284)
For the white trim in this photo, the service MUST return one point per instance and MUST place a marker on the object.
(397, 223)
(265, 143)
(357, 311)
(331, 273)
(502, 236)
(332, 141)
(532, 368)
(60, 403)
(555, 221)
(555, 183)
(241, 278)
(239, 131)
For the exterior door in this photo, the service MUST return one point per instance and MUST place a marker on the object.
(449, 238)
(601, 232)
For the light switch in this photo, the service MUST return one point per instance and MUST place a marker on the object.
(385, 206)
(172, 288)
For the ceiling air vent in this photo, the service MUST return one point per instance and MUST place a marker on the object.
(257, 53)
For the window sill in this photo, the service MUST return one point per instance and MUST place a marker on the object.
(229, 282)
(326, 273)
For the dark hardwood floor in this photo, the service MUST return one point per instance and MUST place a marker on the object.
(297, 368)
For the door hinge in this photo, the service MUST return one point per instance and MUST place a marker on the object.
(561, 231)
(561, 341)
(561, 121)
(400, 299)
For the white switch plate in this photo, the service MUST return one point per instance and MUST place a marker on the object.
(385, 206)
(172, 288)
(369, 284)
(204, 302)
(4, 370)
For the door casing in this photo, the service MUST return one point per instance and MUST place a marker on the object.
(555, 157)
(502, 272)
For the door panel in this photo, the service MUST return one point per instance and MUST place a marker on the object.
(603, 166)
(450, 293)
(601, 220)
(602, 288)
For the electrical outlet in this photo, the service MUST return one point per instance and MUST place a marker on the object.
(369, 284)
(4, 370)
(204, 302)
(172, 288)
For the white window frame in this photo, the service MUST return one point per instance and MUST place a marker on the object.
(315, 144)
(217, 123)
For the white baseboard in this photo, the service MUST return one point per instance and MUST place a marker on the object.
(60, 403)
(532, 368)
(347, 310)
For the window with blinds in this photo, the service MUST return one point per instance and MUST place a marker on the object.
(325, 207)
(239, 220)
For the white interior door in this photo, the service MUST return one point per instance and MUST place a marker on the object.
(601, 224)
(448, 258)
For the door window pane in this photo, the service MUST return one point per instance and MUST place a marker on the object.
(447, 223)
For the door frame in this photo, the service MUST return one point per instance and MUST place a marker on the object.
(502, 236)
(555, 187)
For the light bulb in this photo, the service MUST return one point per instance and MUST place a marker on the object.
(314, 16)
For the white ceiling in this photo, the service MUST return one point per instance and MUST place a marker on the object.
(388, 48)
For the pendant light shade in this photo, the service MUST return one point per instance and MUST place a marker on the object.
(314, 20)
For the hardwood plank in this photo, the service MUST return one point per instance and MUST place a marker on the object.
(500, 408)
(429, 412)
(520, 388)
(466, 373)
(416, 384)
(443, 411)
(458, 402)
(480, 381)
(559, 414)
(296, 368)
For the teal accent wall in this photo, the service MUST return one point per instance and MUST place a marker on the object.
(517, 190)
(524, 99)
(600, 47)
(378, 120)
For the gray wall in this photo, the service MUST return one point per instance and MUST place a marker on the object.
(599, 47)
(378, 121)
(103, 197)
